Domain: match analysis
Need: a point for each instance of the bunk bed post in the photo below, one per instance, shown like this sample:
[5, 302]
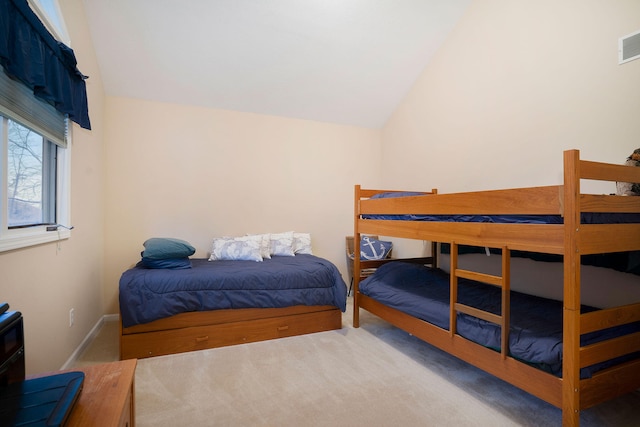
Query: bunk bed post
[453, 288]
[571, 305]
[435, 261]
[356, 258]
[505, 327]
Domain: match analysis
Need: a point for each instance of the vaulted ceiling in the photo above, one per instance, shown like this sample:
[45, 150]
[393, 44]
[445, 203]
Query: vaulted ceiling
[341, 61]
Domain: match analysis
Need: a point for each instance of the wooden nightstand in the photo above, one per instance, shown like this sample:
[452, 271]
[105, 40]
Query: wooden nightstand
[107, 398]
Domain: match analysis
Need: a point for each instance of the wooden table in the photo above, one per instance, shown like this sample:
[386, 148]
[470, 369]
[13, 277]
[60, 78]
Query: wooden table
[107, 398]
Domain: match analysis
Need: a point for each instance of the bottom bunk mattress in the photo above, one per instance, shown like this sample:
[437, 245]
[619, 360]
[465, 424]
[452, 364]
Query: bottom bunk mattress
[536, 323]
[282, 281]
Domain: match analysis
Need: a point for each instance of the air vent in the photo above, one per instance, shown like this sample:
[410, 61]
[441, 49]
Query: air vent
[629, 48]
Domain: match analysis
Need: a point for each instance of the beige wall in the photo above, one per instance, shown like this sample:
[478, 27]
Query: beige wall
[195, 173]
[46, 281]
[515, 84]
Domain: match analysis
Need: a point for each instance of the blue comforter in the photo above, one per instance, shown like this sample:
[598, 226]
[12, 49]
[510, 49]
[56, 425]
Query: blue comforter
[282, 281]
[536, 323]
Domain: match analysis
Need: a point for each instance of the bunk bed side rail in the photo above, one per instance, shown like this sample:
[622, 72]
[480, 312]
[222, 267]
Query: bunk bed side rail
[608, 172]
[609, 203]
[520, 201]
[545, 238]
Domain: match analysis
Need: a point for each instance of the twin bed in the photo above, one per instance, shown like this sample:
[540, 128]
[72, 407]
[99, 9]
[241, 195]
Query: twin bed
[570, 355]
[220, 303]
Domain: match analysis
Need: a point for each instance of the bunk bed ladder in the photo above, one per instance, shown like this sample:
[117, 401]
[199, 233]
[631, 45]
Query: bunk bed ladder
[502, 282]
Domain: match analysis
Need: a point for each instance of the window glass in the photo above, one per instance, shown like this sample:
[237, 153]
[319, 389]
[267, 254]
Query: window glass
[30, 175]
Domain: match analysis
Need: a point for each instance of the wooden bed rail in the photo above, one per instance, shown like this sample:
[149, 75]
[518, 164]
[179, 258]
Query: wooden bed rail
[608, 318]
[606, 171]
[518, 201]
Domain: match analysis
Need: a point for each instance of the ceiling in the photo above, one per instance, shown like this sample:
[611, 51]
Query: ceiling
[341, 61]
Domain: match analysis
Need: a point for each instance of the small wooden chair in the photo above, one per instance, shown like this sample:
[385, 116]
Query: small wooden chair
[369, 267]
[365, 272]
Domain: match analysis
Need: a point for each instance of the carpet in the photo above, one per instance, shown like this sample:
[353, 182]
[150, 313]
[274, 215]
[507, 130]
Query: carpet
[375, 375]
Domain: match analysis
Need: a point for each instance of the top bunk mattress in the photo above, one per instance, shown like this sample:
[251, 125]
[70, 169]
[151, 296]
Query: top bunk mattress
[282, 281]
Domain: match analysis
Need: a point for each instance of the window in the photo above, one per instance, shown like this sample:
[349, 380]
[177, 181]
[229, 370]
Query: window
[34, 190]
[34, 159]
[49, 13]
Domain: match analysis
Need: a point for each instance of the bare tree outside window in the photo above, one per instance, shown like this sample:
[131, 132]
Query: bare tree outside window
[26, 176]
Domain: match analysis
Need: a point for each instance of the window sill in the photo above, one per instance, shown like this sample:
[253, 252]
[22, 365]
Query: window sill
[24, 239]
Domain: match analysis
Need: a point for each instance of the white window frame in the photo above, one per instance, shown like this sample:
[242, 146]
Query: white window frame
[54, 24]
[16, 238]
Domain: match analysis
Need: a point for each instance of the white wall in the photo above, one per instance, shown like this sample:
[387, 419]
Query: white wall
[516, 84]
[195, 173]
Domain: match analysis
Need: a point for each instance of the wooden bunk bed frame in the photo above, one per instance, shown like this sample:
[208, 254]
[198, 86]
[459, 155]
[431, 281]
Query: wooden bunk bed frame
[218, 328]
[571, 239]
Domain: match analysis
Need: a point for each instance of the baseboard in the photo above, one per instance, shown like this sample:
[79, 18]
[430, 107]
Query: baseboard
[71, 361]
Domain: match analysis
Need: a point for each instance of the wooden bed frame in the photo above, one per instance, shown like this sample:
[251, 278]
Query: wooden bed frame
[219, 328]
[571, 239]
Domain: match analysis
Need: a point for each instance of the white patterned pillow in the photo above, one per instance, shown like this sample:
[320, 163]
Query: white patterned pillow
[265, 245]
[245, 248]
[282, 244]
[302, 243]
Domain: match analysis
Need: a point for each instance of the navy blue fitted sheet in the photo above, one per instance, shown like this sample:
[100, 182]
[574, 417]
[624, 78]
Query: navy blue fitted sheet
[536, 323]
[282, 281]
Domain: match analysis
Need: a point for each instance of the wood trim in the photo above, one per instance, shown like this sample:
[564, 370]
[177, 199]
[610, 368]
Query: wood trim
[609, 317]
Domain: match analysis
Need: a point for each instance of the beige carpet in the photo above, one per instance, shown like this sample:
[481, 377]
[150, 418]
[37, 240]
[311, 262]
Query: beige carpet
[376, 375]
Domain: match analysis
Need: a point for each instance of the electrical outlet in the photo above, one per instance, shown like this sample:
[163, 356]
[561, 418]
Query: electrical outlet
[72, 317]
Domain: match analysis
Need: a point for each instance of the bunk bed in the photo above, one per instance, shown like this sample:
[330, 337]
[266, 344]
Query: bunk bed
[227, 302]
[561, 226]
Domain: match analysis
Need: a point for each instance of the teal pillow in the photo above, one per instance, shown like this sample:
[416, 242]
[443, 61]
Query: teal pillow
[166, 248]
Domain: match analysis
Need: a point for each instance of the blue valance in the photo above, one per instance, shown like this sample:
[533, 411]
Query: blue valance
[30, 54]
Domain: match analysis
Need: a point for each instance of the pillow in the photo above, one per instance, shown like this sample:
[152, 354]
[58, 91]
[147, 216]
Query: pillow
[168, 263]
[282, 244]
[302, 243]
[245, 248]
[166, 248]
[265, 245]
[371, 248]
